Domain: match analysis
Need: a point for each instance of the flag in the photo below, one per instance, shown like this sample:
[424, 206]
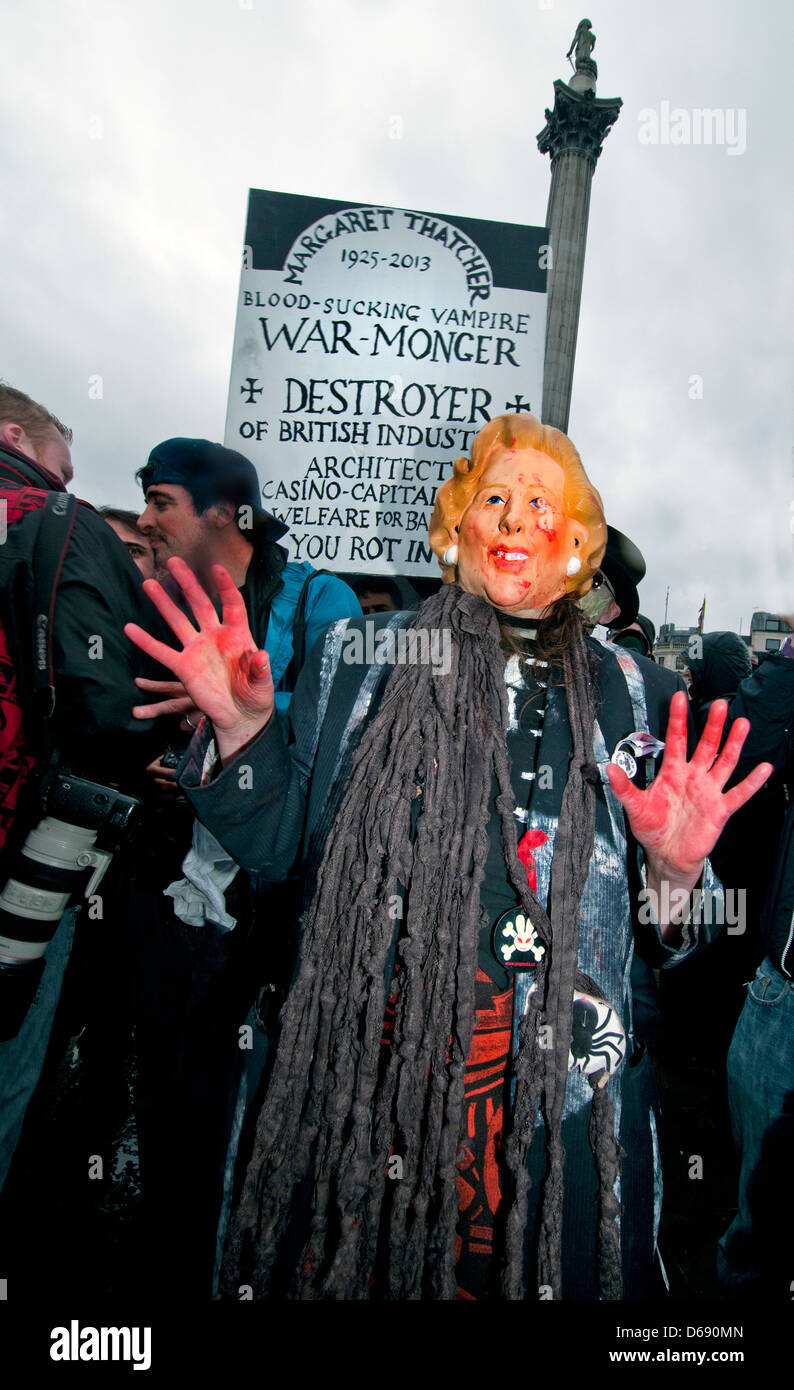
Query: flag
[702, 614]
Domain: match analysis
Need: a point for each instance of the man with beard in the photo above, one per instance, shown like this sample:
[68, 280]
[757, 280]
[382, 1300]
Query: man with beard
[215, 957]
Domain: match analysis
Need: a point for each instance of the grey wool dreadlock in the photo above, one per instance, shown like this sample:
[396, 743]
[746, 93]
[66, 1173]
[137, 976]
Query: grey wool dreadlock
[413, 826]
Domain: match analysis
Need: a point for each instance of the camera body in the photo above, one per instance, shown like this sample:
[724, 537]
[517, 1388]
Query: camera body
[172, 757]
[93, 806]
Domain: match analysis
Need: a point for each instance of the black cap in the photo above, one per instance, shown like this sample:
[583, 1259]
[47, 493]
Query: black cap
[624, 567]
[210, 472]
[639, 636]
[648, 628]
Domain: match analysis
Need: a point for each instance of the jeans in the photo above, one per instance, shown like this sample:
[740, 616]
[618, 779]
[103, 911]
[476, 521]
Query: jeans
[22, 1057]
[756, 1254]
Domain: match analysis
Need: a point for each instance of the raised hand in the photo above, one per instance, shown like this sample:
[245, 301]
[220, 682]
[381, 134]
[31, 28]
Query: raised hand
[680, 817]
[218, 666]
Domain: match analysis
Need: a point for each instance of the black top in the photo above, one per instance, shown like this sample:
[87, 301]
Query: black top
[95, 664]
[527, 681]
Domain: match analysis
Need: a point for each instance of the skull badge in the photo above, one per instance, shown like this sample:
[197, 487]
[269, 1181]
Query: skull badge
[516, 944]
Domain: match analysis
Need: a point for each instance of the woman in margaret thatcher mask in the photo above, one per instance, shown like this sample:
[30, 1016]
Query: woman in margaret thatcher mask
[458, 1108]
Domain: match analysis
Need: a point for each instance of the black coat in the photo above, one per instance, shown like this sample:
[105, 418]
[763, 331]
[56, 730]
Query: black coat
[723, 662]
[759, 841]
[95, 665]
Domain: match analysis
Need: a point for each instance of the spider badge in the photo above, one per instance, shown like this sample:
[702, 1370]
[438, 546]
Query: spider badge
[598, 1041]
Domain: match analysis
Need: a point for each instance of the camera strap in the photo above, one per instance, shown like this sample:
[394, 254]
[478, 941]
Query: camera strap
[55, 533]
[52, 543]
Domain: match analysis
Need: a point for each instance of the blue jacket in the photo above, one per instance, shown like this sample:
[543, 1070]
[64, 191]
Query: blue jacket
[276, 599]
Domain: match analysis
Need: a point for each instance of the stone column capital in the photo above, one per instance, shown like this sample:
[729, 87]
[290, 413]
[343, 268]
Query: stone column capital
[579, 122]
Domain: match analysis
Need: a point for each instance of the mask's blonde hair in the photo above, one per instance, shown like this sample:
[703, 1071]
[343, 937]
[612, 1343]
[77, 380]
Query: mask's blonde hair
[581, 502]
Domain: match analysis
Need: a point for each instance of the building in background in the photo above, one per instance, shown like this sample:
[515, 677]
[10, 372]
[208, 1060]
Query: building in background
[671, 645]
[768, 632]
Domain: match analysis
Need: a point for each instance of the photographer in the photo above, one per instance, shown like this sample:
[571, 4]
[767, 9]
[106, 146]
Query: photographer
[91, 728]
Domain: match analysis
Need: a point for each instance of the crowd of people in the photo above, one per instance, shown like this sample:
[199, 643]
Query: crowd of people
[385, 950]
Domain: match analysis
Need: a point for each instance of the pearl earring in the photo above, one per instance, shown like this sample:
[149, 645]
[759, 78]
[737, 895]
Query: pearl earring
[451, 555]
[574, 566]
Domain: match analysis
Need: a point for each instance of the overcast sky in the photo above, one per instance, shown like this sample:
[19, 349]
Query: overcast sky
[132, 133]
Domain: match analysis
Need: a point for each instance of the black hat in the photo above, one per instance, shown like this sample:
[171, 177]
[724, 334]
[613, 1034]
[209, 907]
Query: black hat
[624, 567]
[210, 472]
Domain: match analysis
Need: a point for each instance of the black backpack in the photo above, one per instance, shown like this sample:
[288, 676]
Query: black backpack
[28, 583]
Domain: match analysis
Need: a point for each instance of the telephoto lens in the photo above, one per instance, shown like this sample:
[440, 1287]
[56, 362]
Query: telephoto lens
[58, 863]
[50, 869]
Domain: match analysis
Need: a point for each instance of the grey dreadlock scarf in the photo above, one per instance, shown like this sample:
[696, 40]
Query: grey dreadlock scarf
[339, 1103]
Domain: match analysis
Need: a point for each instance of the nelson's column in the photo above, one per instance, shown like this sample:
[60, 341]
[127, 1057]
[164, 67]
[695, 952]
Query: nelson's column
[573, 135]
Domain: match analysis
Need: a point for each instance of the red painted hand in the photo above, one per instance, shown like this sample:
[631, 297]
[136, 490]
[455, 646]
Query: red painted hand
[680, 817]
[219, 665]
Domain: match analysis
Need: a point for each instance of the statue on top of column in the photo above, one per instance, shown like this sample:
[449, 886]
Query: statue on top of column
[583, 43]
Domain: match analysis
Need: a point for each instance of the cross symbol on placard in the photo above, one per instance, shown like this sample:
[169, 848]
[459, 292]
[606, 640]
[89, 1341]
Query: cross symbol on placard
[517, 405]
[252, 389]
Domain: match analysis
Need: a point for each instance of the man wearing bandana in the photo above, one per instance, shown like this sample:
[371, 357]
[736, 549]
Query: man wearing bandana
[453, 1111]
